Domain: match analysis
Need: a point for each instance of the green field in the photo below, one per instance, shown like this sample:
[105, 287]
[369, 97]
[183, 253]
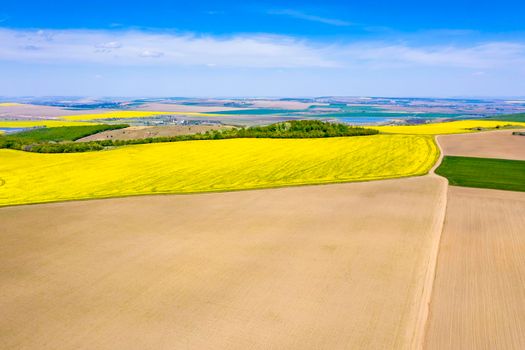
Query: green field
[62, 133]
[519, 117]
[501, 174]
[53, 137]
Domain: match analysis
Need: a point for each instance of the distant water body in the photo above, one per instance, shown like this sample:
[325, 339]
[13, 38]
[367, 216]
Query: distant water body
[11, 130]
[385, 119]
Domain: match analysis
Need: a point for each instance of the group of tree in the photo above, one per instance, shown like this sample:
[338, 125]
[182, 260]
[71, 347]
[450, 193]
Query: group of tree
[289, 129]
[56, 138]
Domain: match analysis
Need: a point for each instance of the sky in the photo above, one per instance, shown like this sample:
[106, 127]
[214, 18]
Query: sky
[264, 48]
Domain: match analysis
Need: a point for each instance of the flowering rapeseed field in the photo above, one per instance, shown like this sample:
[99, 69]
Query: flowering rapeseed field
[203, 166]
[456, 127]
[19, 124]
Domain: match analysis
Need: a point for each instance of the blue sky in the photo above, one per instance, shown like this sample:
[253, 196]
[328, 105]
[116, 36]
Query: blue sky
[264, 48]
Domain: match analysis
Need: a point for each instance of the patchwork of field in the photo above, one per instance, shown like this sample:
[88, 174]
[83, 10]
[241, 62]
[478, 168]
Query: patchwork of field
[219, 105]
[332, 266]
[283, 104]
[494, 144]
[317, 267]
[465, 165]
[223, 116]
[174, 107]
[455, 127]
[122, 115]
[201, 166]
[141, 132]
[479, 296]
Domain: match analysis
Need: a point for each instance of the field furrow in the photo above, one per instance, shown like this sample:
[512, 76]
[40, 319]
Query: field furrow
[478, 300]
[318, 267]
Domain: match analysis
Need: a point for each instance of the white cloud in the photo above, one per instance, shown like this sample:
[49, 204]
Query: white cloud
[109, 45]
[154, 54]
[245, 51]
[73, 46]
[309, 17]
[44, 35]
[30, 47]
[477, 56]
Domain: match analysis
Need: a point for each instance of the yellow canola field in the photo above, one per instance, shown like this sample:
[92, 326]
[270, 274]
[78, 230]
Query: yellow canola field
[201, 166]
[10, 104]
[42, 123]
[456, 127]
[132, 114]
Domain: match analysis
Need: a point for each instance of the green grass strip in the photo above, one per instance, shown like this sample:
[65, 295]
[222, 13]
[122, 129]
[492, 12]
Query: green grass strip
[501, 174]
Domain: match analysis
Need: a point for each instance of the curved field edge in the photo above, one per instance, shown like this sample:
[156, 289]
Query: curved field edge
[210, 166]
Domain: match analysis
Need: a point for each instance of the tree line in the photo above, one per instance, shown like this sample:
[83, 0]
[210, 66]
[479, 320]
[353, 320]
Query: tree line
[290, 129]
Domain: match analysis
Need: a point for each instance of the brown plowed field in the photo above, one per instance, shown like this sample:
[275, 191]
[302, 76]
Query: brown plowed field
[316, 267]
[490, 144]
[142, 132]
[478, 300]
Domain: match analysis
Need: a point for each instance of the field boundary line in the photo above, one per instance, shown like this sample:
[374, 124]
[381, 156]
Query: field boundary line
[423, 312]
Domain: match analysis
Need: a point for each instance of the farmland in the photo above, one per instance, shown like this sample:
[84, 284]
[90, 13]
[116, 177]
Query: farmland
[9, 104]
[262, 175]
[56, 134]
[129, 114]
[346, 265]
[478, 300]
[501, 174]
[455, 127]
[54, 139]
[16, 124]
[201, 166]
[315, 267]
[142, 132]
[516, 117]
[500, 144]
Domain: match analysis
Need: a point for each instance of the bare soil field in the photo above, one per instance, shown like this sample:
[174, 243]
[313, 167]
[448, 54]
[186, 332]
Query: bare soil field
[490, 144]
[142, 132]
[478, 300]
[315, 267]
